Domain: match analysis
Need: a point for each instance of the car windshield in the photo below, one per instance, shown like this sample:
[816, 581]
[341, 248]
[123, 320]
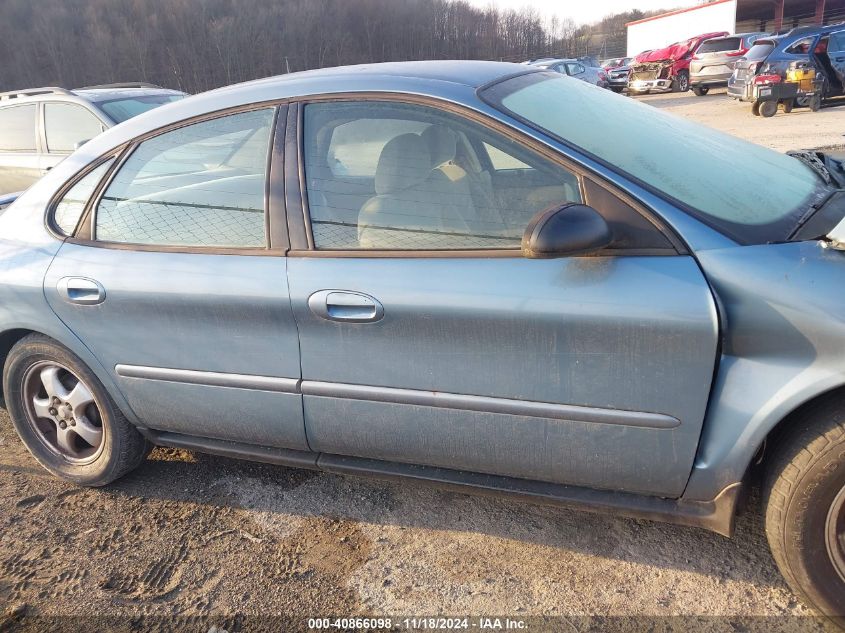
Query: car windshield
[748, 192]
[126, 107]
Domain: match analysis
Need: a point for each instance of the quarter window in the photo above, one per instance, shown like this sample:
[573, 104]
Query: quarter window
[70, 208]
[199, 185]
[66, 125]
[393, 176]
[17, 128]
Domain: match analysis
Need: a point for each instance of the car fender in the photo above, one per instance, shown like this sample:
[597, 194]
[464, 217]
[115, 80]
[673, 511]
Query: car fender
[781, 347]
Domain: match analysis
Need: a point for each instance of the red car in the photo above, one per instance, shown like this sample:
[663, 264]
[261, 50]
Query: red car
[666, 69]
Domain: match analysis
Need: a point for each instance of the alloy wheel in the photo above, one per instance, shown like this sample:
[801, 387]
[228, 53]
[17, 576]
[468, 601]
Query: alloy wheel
[62, 411]
[835, 533]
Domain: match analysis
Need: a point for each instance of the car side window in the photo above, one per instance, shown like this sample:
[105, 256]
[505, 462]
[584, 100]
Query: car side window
[574, 69]
[18, 125]
[801, 47]
[67, 124]
[429, 186]
[837, 42]
[70, 207]
[201, 185]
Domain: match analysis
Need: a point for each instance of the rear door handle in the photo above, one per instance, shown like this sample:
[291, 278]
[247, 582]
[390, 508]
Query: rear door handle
[345, 306]
[81, 290]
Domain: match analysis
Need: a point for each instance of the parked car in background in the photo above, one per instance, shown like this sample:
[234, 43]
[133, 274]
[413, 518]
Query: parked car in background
[615, 62]
[666, 69]
[713, 63]
[617, 69]
[574, 68]
[40, 126]
[807, 53]
[482, 274]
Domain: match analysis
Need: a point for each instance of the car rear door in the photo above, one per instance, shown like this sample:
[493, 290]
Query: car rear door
[426, 338]
[19, 149]
[176, 282]
[66, 126]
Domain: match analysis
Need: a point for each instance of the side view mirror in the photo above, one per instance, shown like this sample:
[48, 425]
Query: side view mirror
[79, 144]
[569, 229]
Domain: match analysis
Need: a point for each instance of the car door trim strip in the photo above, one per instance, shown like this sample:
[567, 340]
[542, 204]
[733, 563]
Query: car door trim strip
[412, 397]
[487, 404]
[210, 378]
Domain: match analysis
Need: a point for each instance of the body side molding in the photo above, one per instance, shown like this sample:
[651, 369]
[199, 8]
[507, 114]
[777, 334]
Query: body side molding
[413, 397]
[210, 378]
[487, 404]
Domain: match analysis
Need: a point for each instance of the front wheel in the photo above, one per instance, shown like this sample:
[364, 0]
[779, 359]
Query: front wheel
[65, 417]
[681, 83]
[805, 509]
[700, 91]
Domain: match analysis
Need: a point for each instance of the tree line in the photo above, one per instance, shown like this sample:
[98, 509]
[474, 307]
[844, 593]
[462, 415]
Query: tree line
[196, 45]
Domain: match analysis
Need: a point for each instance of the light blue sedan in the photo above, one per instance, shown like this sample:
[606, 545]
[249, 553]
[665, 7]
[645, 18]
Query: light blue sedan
[483, 275]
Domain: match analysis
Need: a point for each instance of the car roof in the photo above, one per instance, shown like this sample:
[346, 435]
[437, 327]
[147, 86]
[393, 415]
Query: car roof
[107, 94]
[91, 95]
[812, 29]
[453, 81]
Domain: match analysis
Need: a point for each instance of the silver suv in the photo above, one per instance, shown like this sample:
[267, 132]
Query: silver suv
[714, 61]
[40, 126]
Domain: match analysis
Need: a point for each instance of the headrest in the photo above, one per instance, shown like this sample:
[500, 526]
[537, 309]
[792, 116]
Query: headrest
[404, 162]
[442, 144]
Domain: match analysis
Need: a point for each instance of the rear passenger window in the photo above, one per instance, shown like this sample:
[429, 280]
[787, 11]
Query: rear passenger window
[66, 125]
[17, 128]
[200, 185]
[70, 208]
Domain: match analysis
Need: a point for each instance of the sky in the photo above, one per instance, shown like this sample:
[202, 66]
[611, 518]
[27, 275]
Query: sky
[583, 11]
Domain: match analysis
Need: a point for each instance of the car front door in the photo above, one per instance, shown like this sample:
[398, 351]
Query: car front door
[836, 54]
[20, 164]
[426, 338]
[175, 285]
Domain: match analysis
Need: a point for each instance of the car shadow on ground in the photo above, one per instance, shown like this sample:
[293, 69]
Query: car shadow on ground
[292, 495]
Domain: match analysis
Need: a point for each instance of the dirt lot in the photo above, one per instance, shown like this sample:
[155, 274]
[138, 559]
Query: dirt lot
[195, 535]
[801, 129]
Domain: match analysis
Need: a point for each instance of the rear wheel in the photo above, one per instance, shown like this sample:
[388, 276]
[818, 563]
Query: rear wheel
[805, 509]
[768, 108]
[65, 417]
[700, 91]
[816, 102]
[788, 104]
[755, 108]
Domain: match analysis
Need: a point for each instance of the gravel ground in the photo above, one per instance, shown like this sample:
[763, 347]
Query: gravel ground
[194, 535]
[801, 129]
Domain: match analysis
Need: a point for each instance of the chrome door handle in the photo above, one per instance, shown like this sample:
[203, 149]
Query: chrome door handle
[346, 306]
[81, 290]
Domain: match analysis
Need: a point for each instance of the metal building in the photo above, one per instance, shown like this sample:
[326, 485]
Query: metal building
[734, 16]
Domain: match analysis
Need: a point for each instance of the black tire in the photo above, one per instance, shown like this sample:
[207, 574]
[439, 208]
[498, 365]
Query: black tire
[700, 91]
[805, 482]
[616, 89]
[788, 104]
[768, 109]
[121, 447]
[755, 108]
[681, 83]
[816, 103]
